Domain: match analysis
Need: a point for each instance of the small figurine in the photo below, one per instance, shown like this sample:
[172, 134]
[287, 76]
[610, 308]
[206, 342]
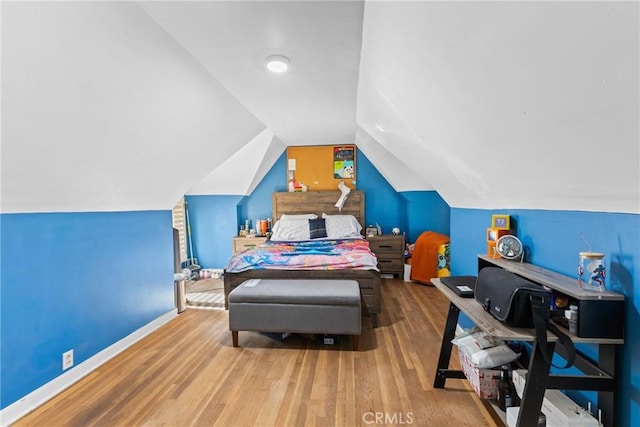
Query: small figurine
[598, 275]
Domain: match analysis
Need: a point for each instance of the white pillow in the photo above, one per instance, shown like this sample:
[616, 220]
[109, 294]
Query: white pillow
[298, 216]
[342, 226]
[290, 230]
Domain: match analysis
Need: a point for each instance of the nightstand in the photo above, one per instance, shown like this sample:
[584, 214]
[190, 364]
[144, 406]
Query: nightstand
[390, 253]
[244, 243]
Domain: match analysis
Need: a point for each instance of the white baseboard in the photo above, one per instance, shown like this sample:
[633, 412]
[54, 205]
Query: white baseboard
[31, 401]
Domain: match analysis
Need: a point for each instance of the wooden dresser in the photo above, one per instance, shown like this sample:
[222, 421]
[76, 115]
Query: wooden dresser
[244, 243]
[390, 253]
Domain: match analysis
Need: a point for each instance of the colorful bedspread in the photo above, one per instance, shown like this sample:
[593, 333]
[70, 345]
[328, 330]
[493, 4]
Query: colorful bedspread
[306, 255]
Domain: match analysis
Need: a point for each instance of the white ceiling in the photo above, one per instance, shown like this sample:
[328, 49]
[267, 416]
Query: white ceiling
[314, 103]
[446, 91]
[122, 105]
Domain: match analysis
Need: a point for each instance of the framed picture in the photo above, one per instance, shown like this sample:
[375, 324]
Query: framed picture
[344, 162]
[500, 222]
[493, 234]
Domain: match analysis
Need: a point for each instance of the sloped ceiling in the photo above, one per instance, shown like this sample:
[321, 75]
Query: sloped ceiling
[118, 105]
[103, 111]
[507, 104]
[231, 178]
[315, 101]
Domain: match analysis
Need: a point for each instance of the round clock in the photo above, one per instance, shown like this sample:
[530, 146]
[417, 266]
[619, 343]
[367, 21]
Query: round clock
[509, 247]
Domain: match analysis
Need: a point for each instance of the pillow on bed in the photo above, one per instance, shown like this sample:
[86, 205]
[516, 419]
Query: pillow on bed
[298, 216]
[342, 226]
[317, 229]
[290, 230]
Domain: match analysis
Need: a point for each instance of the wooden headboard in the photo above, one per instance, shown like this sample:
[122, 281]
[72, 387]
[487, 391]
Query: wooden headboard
[318, 202]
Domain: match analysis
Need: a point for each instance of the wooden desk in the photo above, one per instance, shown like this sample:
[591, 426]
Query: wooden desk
[598, 376]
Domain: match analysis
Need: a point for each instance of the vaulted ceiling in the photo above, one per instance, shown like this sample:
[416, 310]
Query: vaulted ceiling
[128, 105]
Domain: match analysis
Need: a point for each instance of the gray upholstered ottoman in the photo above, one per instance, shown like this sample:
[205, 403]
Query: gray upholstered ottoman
[317, 306]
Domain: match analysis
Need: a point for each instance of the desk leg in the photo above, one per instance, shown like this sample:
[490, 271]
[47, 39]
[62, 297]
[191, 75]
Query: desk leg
[534, 388]
[607, 360]
[445, 348]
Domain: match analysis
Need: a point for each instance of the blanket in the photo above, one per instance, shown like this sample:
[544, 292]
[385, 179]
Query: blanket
[425, 259]
[306, 255]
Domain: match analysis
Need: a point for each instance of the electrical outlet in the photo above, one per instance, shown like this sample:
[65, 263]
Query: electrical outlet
[329, 341]
[67, 359]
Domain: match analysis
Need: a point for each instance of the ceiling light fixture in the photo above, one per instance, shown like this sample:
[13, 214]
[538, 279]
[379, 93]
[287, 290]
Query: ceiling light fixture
[277, 63]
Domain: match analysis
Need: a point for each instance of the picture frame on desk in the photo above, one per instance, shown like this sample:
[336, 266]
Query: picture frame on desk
[493, 234]
[371, 231]
[501, 222]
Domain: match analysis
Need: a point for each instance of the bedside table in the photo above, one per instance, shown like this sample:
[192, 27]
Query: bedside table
[390, 253]
[244, 243]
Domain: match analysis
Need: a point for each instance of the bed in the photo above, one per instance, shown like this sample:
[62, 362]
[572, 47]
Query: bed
[318, 203]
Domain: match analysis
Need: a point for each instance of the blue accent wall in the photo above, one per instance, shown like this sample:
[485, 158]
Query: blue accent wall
[213, 222]
[80, 281]
[383, 205]
[426, 211]
[258, 204]
[553, 240]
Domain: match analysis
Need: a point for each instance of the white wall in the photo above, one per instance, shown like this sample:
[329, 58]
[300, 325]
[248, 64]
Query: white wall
[243, 171]
[103, 111]
[507, 104]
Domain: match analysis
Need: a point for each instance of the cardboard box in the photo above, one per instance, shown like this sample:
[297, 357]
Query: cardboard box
[483, 381]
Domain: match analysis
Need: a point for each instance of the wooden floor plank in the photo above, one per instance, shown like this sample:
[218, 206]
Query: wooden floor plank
[187, 373]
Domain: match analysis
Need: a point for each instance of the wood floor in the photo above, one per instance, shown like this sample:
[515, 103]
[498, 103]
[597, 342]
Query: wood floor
[188, 374]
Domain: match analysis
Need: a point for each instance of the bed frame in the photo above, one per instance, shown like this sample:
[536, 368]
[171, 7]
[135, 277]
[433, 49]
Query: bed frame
[318, 202]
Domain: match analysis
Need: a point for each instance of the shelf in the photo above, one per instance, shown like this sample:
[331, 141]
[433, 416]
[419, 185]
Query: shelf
[600, 313]
[595, 308]
[565, 284]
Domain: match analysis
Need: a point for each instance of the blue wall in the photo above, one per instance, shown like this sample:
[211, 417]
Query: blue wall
[258, 205]
[426, 211]
[215, 220]
[80, 281]
[213, 226]
[383, 205]
[553, 240]
[213, 223]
